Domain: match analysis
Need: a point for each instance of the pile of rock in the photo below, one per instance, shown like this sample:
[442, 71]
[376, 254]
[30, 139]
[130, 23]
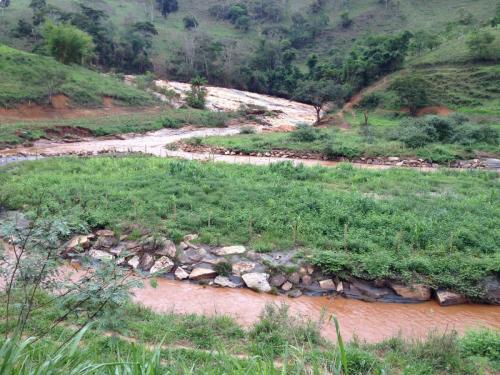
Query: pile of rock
[236, 266]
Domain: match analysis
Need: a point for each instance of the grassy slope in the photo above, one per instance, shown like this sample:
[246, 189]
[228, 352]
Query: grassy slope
[400, 224]
[216, 345]
[27, 131]
[369, 18]
[26, 77]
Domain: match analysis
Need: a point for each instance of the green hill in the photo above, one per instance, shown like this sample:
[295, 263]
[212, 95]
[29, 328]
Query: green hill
[27, 77]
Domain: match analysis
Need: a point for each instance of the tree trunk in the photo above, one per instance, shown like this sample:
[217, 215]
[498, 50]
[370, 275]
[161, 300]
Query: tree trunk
[318, 114]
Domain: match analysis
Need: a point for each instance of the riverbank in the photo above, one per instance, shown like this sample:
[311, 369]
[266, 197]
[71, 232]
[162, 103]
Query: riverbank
[379, 226]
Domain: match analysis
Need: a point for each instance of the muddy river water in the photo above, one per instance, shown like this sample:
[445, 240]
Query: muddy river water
[372, 322]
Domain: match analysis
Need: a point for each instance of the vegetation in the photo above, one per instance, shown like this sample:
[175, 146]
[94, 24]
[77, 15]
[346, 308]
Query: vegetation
[31, 78]
[433, 138]
[68, 44]
[139, 122]
[413, 232]
[197, 95]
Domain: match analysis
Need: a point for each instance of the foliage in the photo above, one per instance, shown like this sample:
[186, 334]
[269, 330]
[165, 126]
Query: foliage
[68, 44]
[345, 19]
[305, 133]
[28, 77]
[190, 22]
[319, 93]
[482, 343]
[412, 92]
[400, 229]
[479, 44]
[197, 96]
[167, 6]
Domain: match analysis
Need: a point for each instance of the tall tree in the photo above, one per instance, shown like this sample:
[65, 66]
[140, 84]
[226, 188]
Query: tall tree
[318, 94]
[167, 6]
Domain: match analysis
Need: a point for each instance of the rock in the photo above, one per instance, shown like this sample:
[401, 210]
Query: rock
[229, 250]
[200, 273]
[287, 286]
[191, 256]
[100, 255]
[162, 265]
[294, 278]
[147, 261]
[242, 267]
[190, 237]
[414, 292]
[181, 274]
[340, 287]
[168, 249]
[183, 245]
[78, 243]
[118, 249]
[393, 158]
[211, 259]
[296, 293]
[105, 242]
[310, 269]
[307, 280]
[447, 298]
[327, 284]
[105, 233]
[491, 287]
[134, 262]
[132, 245]
[257, 281]
[368, 290]
[277, 280]
[227, 282]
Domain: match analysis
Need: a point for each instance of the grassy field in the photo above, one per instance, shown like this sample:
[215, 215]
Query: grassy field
[396, 224]
[278, 343]
[27, 131]
[30, 78]
[355, 142]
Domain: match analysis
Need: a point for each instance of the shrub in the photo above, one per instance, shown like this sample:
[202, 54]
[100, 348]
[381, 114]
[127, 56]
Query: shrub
[247, 130]
[335, 150]
[197, 96]
[171, 123]
[305, 133]
[412, 92]
[484, 343]
[223, 268]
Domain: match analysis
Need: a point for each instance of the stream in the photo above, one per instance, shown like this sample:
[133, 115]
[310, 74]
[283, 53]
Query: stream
[369, 321]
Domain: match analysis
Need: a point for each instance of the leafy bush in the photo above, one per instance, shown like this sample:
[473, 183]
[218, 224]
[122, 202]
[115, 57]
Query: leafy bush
[247, 130]
[305, 133]
[484, 343]
[223, 268]
[335, 150]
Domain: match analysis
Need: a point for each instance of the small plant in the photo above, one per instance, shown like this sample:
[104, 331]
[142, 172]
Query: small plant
[305, 133]
[247, 130]
[345, 20]
[223, 268]
[197, 96]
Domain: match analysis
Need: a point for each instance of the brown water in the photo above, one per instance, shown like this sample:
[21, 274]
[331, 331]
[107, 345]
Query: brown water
[372, 322]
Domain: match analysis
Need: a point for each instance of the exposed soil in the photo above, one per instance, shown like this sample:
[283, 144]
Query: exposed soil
[435, 110]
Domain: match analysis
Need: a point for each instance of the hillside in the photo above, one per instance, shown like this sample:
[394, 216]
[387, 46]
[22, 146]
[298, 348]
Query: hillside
[368, 18]
[28, 77]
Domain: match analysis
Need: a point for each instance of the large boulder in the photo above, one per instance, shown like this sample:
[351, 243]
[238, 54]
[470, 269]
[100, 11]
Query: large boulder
[202, 272]
[370, 291]
[415, 292]
[447, 298]
[491, 287]
[257, 281]
[192, 255]
[147, 261]
[278, 280]
[287, 286]
[162, 265]
[105, 239]
[134, 262]
[294, 278]
[167, 249]
[327, 284]
[229, 250]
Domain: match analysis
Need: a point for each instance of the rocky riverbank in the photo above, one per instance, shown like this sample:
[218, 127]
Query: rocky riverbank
[387, 161]
[285, 273]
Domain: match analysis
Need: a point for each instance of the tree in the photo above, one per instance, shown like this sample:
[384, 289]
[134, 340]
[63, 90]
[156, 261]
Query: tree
[52, 80]
[68, 44]
[369, 103]
[190, 22]
[345, 20]
[4, 4]
[167, 6]
[39, 8]
[411, 91]
[479, 44]
[495, 21]
[196, 97]
[318, 94]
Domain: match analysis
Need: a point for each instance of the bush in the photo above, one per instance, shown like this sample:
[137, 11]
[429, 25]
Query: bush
[454, 129]
[484, 343]
[335, 150]
[223, 268]
[305, 133]
[247, 130]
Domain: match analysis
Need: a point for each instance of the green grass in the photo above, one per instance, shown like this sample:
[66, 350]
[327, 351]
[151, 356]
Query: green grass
[141, 341]
[28, 131]
[29, 78]
[352, 143]
[395, 224]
